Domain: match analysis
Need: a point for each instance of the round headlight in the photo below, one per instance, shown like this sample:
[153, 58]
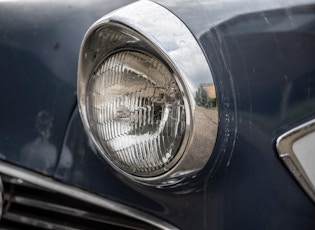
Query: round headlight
[146, 95]
[136, 112]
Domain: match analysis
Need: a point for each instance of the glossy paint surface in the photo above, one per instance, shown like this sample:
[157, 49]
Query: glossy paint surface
[262, 58]
[39, 46]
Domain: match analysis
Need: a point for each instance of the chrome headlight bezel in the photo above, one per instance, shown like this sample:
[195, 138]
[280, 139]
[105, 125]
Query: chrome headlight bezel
[152, 29]
[136, 43]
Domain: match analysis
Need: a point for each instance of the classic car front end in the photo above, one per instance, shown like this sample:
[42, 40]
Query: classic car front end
[157, 114]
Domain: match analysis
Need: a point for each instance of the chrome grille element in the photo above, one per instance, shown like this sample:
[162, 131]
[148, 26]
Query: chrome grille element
[31, 207]
[34, 201]
[61, 200]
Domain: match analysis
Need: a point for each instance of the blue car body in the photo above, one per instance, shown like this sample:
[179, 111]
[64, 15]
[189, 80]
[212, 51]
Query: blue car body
[262, 58]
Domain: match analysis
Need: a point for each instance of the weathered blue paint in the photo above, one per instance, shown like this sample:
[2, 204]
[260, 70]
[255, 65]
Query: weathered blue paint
[262, 56]
[39, 47]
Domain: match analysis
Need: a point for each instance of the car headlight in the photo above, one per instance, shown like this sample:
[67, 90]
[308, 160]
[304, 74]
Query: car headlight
[138, 81]
[136, 112]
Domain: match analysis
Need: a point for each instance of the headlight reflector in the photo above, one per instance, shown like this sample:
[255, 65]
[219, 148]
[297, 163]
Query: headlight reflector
[136, 112]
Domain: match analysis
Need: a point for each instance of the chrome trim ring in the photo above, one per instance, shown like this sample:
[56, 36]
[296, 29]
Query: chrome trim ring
[285, 146]
[157, 31]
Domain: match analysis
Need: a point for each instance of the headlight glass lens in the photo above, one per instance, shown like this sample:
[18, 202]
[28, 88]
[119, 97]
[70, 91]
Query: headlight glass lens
[136, 112]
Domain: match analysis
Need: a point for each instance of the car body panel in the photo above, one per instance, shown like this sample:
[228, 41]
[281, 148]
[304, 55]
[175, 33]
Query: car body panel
[262, 57]
[39, 47]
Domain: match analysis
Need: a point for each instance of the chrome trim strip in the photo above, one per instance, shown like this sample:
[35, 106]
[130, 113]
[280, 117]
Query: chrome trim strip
[155, 28]
[284, 146]
[35, 222]
[65, 210]
[49, 183]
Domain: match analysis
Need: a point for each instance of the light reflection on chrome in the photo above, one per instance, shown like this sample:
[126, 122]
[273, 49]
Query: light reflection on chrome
[296, 149]
[153, 29]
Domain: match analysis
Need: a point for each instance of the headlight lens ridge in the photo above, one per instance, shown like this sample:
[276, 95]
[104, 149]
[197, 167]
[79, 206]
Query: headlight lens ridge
[136, 111]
